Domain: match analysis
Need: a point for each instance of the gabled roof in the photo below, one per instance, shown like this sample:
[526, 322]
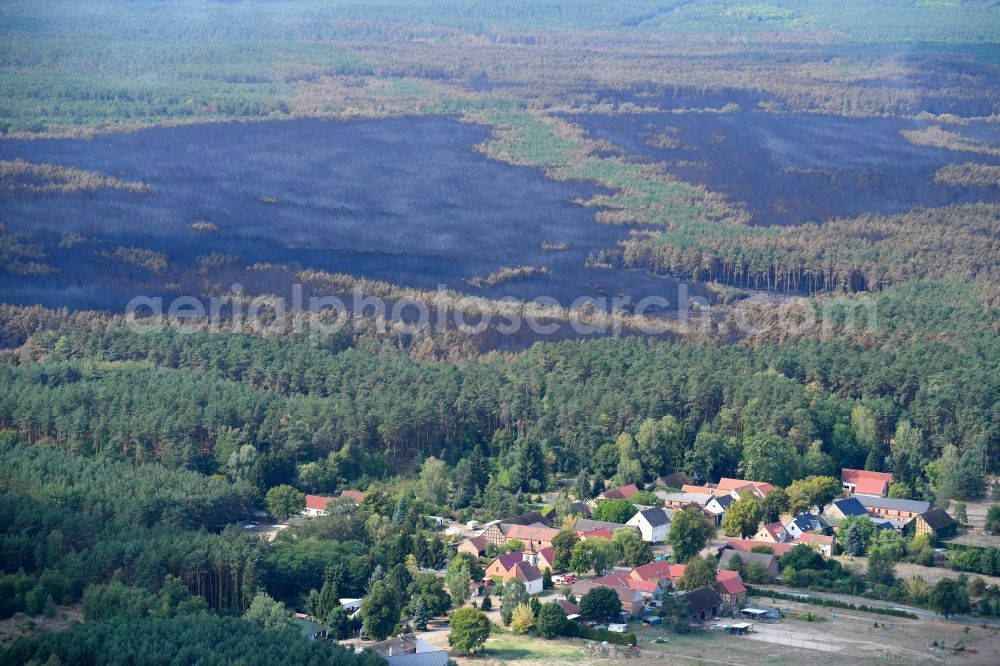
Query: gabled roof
[655, 571]
[866, 486]
[434, 658]
[508, 560]
[317, 502]
[599, 533]
[404, 644]
[703, 490]
[357, 496]
[547, 554]
[808, 522]
[622, 579]
[774, 529]
[872, 501]
[848, 475]
[588, 525]
[938, 519]
[701, 499]
[568, 606]
[702, 599]
[525, 571]
[747, 557]
[530, 518]
[538, 532]
[747, 546]
[675, 480]
[656, 517]
[824, 539]
[850, 507]
[759, 488]
[622, 492]
[730, 581]
[478, 542]
[725, 500]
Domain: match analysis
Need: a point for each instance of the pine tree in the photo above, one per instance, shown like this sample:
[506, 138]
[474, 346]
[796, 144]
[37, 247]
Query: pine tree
[581, 488]
[420, 615]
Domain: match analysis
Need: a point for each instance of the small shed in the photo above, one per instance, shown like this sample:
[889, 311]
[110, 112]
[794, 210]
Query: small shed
[751, 613]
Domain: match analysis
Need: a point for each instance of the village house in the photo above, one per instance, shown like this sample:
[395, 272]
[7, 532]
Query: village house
[747, 546]
[310, 630]
[355, 496]
[475, 546]
[501, 566]
[316, 505]
[534, 536]
[731, 588]
[631, 599]
[653, 524]
[657, 571]
[584, 525]
[766, 560]
[528, 574]
[648, 588]
[599, 533]
[716, 508]
[705, 603]
[684, 500]
[665, 576]
[806, 522]
[897, 511]
[738, 487]
[572, 610]
[409, 650]
[824, 543]
[865, 482]
[622, 492]
[704, 490]
[772, 533]
[675, 480]
[842, 508]
[936, 522]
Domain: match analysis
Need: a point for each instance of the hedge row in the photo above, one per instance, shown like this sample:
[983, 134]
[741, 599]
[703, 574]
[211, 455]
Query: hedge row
[830, 603]
[576, 630]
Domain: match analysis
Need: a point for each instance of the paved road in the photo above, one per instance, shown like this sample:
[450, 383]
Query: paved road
[922, 613]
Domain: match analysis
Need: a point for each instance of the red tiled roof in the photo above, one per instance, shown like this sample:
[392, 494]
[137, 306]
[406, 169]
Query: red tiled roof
[599, 533]
[317, 502]
[730, 581]
[747, 545]
[622, 579]
[809, 537]
[848, 475]
[655, 571]
[478, 542]
[623, 492]
[774, 529]
[865, 486]
[356, 495]
[758, 488]
[703, 490]
[529, 532]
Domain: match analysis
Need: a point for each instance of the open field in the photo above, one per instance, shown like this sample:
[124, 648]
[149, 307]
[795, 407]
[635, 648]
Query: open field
[837, 637]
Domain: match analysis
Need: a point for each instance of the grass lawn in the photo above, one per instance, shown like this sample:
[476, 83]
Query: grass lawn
[526, 648]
